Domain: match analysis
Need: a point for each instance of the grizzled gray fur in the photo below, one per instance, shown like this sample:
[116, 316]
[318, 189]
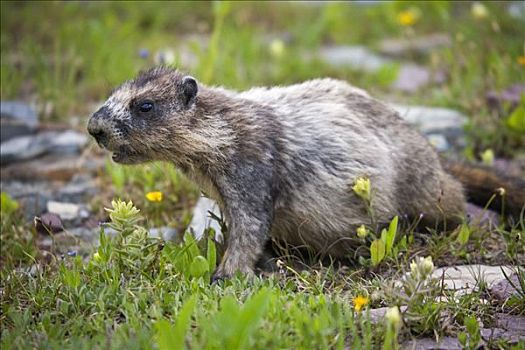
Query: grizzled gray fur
[280, 161]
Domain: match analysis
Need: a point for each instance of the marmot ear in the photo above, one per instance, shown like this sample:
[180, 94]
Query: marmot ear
[189, 89]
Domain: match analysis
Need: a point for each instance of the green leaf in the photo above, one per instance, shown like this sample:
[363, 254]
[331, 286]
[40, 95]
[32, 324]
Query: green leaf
[516, 121]
[250, 317]
[391, 235]
[464, 234]
[172, 337]
[403, 243]
[377, 251]
[199, 266]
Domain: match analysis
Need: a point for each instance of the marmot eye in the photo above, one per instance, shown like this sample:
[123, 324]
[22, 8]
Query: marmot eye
[146, 106]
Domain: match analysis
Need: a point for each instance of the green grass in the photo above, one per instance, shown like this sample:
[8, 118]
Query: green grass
[141, 292]
[138, 292]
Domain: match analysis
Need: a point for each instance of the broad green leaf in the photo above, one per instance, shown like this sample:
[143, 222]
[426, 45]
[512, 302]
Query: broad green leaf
[377, 251]
[464, 234]
[391, 235]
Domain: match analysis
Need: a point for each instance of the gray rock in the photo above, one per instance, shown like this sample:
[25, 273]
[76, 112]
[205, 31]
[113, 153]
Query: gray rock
[166, 233]
[439, 142]
[421, 45]
[412, 77]
[506, 289]
[52, 168]
[444, 343]
[84, 233]
[377, 315]
[28, 147]
[25, 147]
[33, 204]
[481, 217]
[356, 57]
[465, 279]
[67, 211]
[432, 119]
[16, 119]
[77, 192]
[510, 328]
[69, 142]
[201, 219]
[32, 197]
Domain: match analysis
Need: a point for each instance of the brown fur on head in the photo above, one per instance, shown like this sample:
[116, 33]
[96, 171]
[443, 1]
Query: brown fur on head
[142, 118]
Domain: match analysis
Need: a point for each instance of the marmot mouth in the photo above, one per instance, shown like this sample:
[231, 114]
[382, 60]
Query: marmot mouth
[127, 156]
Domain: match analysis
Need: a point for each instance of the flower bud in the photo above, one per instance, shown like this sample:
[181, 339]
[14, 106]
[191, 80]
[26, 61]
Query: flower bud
[362, 232]
[393, 317]
[362, 188]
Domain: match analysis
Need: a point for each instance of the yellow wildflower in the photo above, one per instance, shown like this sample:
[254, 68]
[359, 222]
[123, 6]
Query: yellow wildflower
[359, 302]
[362, 188]
[155, 196]
[407, 18]
[362, 232]
[521, 60]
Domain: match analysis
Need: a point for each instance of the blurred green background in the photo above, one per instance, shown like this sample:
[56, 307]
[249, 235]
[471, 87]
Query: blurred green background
[66, 56]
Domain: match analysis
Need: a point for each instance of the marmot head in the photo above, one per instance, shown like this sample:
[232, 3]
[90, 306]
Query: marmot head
[141, 119]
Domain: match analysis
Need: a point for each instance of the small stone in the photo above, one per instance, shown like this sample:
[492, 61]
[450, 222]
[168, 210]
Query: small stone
[16, 119]
[412, 77]
[377, 315]
[432, 119]
[25, 147]
[69, 142]
[420, 45]
[444, 343]
[504, 290]
[166, 233]
[481, 217]
[356, 57]
[72, 253]
[510, 328]
[202, 220]
[77, 191]
[48, 223]
[66, 211]
[466, 278]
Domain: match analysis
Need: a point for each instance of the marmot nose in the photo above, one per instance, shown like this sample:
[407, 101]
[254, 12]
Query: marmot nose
[96, 127]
